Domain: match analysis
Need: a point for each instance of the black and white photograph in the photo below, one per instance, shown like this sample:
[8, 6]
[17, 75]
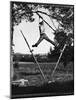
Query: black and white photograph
[41, 49]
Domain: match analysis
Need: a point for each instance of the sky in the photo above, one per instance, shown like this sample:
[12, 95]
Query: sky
[31, 32]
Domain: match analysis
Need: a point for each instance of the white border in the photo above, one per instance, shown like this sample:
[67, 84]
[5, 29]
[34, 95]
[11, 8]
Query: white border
[5, 49]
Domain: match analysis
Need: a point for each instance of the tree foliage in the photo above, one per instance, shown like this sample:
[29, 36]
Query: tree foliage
[62, 13]
[22, 10]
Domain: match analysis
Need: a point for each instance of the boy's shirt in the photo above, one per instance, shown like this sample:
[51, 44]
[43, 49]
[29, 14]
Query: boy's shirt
[41, 29]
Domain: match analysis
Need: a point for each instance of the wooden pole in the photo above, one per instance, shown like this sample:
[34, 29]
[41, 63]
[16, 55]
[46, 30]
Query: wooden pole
[44, 21]
[58, 60]
[33, 55]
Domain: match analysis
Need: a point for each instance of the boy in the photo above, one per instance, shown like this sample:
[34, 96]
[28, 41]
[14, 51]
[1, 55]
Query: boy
[43, 35]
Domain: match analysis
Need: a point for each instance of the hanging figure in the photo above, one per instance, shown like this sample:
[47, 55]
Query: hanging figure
[42, 34]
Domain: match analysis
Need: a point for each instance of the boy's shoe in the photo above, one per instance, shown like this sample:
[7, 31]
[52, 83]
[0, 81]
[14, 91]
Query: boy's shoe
[57, 45]
[31, 50]
[34, 45]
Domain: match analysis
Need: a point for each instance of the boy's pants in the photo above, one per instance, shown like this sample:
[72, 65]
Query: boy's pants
[44, 36]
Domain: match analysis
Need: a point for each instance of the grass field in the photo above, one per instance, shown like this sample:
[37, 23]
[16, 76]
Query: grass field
[62, 82]
[31, 72]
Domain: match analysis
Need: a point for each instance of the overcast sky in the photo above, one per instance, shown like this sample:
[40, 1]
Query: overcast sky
[31, 32]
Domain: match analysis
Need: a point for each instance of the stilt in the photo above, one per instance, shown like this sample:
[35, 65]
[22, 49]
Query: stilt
[58, 61]
[33, 55]
[45, 21]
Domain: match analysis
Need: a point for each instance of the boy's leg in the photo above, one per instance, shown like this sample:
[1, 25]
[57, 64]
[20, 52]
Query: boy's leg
[38, 42]
[46, 38]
